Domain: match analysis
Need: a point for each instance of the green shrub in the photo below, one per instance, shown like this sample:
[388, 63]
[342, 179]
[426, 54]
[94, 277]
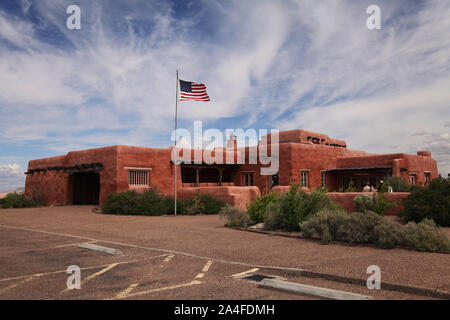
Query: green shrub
[363, 203]
[431, 202]
[338, 225]
[388, 234]
[288, 209]
[297, 206]
[359, 227]
[398, 184]
[378, 204]
[425, 236]
[151, 202]
[257, 208]
[326, 224]
[210, 204]
[272, 216]
[234, 216]
[122, 203]
[16, 200]
[167, 206]
[382, 203]
[372, 228]
[195, 206]
[202, 204]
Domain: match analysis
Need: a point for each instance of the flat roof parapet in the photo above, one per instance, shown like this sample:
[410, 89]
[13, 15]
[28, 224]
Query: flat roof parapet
[307, 137]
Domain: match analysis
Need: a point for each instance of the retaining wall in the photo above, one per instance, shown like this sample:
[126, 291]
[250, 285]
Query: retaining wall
[346, 199]
[236, 196]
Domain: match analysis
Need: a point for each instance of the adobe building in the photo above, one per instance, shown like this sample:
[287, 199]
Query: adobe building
[312, 159]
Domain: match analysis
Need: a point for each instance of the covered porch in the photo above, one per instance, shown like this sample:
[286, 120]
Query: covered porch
[341, 179]
[204, 175]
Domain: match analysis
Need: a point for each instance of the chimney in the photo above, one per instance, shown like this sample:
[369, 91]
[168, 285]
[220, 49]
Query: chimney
[424, 153]
[232, 143]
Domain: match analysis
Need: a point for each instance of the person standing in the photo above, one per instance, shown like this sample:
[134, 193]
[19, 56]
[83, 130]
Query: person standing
[380, 186]
[366, 188]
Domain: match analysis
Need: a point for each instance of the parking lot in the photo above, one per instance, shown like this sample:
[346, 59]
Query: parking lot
[34, 264]
[183, 257]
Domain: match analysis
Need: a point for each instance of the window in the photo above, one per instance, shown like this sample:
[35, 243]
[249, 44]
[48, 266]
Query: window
[274, 180]
[412, 179]
[427, 178]
[248, 179]
[304, 178]
[188, 175]
[324, 179]
[138, 177]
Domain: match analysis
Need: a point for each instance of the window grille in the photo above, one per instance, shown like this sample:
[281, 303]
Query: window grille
[248, 179]
[138, 177]
[324, 178]
[304, 178]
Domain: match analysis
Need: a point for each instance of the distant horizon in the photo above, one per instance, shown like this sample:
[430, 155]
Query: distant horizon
[18, 189]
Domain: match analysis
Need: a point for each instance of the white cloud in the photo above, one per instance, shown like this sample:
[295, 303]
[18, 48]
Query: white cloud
[387, 124]
[11, 177]
[26, 4]
[292, 64]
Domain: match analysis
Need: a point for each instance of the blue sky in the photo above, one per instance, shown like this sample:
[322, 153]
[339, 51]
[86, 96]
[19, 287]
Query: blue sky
[267, 64]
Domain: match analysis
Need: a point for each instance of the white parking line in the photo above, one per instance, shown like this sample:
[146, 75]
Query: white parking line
[59, 271]
[92, 276]
[237, 275]
[14, 285]
[204, 270]
[127, 292]
[187, 254]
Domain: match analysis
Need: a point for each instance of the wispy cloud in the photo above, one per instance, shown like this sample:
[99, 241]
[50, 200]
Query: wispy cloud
[11, 175]
[290, 64]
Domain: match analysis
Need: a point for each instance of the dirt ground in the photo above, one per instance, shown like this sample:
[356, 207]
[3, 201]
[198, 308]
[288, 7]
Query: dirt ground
[183, 257]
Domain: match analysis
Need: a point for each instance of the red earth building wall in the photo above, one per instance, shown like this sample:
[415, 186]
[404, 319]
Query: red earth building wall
[298, 150]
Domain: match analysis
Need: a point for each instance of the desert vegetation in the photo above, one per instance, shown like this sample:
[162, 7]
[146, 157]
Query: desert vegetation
[153, 203]
[316, 216]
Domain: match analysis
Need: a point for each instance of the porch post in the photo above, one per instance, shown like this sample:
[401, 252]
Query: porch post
[220, 176]
[197, 177]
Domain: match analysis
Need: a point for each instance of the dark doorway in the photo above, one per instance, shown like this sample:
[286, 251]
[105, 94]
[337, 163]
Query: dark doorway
[86, 187]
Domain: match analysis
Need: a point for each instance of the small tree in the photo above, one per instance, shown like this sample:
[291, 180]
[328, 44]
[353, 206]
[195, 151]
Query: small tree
[363, 203]
[432, 202]
[382, 203]
[256, 209]
[398, 184]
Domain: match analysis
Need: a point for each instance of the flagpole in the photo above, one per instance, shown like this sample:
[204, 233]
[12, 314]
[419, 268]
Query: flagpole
[176, 152]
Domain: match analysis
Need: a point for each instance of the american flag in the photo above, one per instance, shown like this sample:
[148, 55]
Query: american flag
[193, 91]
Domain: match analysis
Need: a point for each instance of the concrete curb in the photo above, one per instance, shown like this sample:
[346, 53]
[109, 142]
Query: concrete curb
[415, 290]
[102, 249]
[303, 289]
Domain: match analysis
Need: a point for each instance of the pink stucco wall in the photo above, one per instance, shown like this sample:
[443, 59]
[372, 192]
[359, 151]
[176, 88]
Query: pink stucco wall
[346, 199]
[236, 196]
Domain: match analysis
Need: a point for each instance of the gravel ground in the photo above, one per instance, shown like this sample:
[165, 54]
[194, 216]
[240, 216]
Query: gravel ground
[194, 240]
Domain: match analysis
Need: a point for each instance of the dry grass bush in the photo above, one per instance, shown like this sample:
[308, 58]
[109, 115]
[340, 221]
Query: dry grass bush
[371, 228]
[234, 216]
